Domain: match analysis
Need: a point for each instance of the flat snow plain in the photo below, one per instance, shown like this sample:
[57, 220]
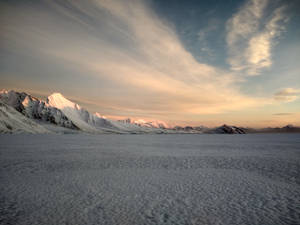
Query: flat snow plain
[150, 179]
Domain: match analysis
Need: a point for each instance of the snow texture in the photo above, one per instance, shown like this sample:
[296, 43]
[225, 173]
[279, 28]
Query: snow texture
[80, 117]
[150, 179]
[62, 112]
[35, 109]
[11, 121]
[95, 123]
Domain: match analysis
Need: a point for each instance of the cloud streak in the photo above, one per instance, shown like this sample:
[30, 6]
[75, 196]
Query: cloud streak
[283, 114]
[251, 34]
[127, 44]
[129, 61]
[287, 95]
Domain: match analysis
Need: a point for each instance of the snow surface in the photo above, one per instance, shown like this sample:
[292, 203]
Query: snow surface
[79, 116]
[35, 109]
[11, 121]
[150, 179]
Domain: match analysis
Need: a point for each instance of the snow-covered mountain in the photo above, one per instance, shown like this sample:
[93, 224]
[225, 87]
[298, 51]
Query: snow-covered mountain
[86, 121]
[79, 116]
[62, 112]
[34, 108]
[128, 124]
[146, 123]
[21, 112]
[152, 124]
[12, 121]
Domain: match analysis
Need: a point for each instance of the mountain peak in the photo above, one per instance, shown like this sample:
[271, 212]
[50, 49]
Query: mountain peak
[152, 123]
[57, 95]
[3, 91]
[59, 101]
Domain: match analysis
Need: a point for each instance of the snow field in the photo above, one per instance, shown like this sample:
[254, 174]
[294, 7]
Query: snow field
[150, 179]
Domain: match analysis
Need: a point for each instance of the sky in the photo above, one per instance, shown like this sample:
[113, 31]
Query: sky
[183, 62]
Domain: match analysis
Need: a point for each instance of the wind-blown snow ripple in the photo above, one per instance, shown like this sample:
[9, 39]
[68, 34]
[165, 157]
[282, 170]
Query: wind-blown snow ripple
[150, 179]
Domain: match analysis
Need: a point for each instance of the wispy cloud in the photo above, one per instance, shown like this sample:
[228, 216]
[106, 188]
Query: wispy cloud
[137, 63]
[287, 95]
[137, 56]
[251, 34]
[283, 114]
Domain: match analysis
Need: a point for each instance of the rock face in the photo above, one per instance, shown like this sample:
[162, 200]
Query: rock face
[128, 121]
[82, 118]
[34, 108]
[64, 113]
[225, 129]
[12, 121]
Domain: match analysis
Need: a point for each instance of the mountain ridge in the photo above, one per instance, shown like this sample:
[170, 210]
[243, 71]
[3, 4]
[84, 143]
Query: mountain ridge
[61, 112]
[33, 108]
